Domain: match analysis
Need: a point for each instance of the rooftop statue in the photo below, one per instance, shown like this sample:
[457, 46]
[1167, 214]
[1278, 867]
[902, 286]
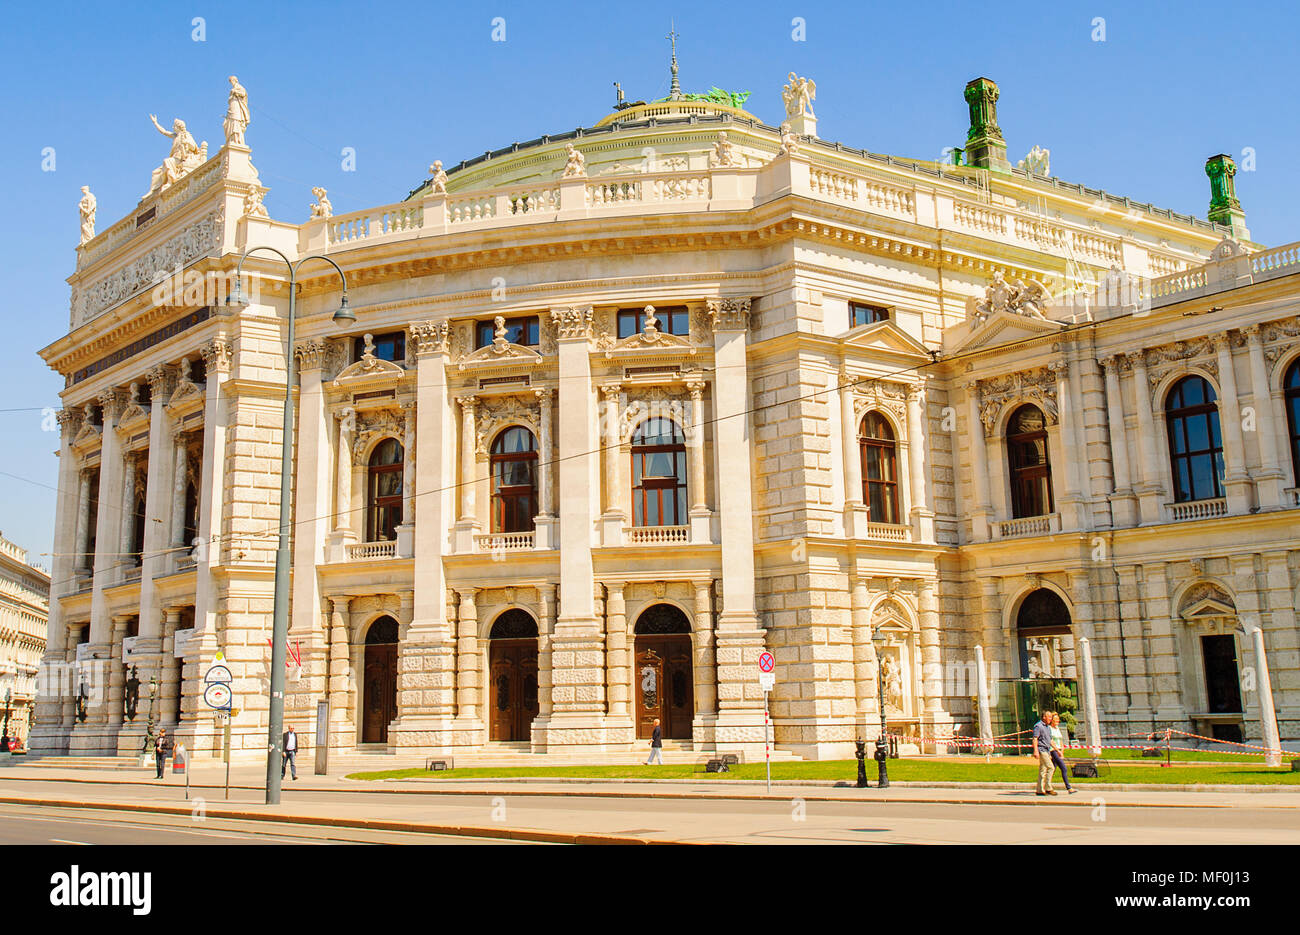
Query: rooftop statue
[439, 184]
[1037, 162]
[723, 154]
[1014, 296]
[185, 155]
[716, 95]
[798, 94]
[237, 114]
[87, 205]
[253, 207]
[575, 167]
[322, 208]
[789, 142]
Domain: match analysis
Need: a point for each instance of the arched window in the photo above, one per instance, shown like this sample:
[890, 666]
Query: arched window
[384, 491]
[1291, 389]
[879, 453]
[1031, 472]
[514, 481]
[658, 474]
[1195, 444]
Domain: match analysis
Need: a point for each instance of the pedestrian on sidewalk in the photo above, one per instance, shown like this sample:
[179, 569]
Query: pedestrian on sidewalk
[1043, 754]
[1058, 752]
[656, 745]
[290, 748]
[160, 751]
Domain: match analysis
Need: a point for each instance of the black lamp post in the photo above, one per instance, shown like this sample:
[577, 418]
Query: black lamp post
[149, 725]
[280, 615]
[882, 742]
[4, 741]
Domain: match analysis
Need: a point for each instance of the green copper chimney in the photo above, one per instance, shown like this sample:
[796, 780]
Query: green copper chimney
[985, 146]
[1224, 207]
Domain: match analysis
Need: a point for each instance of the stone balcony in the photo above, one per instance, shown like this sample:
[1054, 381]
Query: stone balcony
[1044, 525]
[371, 551]
[1196, 509]
[656, 535]
[497, 542]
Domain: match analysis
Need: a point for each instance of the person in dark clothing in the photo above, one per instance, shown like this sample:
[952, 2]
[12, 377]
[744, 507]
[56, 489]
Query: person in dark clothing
[290, 747]
[160, 751]
[656, 745]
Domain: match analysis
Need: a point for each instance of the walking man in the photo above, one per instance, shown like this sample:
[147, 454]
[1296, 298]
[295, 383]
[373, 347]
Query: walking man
[656, 745]
[290, 747]
[160, 751]
[1043, 754]
[1058, 752]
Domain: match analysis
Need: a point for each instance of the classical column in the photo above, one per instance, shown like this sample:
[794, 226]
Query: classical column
[546, 456]
[179, 469]
[701, 517]
[406, 531]
[918, 465]
[83, 561]
[467, 658]
[126, 510]
[468, 525]
[1269, 482]
[169, 675]
[855, 510]
[339, 661]
[706, 657]
[155, 559]
[931, 661]
[1001, 655]
[112, 715]
[1152, 490]
[68, 685]
[740, 640]
[545, 631]
[614, 518]
[1072, 515]
[864, 658]
[1236, 479]
[343, 528]
[216, 359]
[108, 519]
[617, 664]
[979, 464]
[1122, 500]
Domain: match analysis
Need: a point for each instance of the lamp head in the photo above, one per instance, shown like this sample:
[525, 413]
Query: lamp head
[344, 315]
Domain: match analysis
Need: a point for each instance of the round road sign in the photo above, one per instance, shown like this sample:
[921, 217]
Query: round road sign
[766, 662]
[217, 695]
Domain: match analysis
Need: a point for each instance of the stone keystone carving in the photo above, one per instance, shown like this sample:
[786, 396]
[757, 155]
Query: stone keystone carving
[322, 208]
[185, 155]
[729, 314]
[798, 95]
[1014, 296]
[87, 206]
[572, 323]
[237, 114]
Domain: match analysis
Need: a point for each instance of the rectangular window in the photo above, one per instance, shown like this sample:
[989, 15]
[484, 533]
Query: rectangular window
[673, 320]
[862, 314]
[523, 331]
[390, 346]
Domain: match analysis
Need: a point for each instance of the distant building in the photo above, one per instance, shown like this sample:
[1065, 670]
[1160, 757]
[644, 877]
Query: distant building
[624, 407]
[24, 617]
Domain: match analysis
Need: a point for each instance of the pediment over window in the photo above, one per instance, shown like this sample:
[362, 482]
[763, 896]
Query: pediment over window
[186, 397]
[88, 436]
[370, 370]
[1001, 328]
[500, 352]
[1206, 605]
[641, 343]
[887, 337]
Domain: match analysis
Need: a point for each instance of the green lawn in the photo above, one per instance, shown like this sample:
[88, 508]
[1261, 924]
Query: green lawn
[915, 770]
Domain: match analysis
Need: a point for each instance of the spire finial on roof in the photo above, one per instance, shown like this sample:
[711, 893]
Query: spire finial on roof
[675, 89]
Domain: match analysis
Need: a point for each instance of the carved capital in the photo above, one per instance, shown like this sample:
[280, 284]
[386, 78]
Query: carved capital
[111, 402]
[1137, 359]
[468, 404]
[217, 354]
[1220, 341]
[430, 337]
[162, 380]
[611, 390]
[1059, 368]
[696, 389]
[730, 314]
[310, 355]
[1254, 333]
[572, 323]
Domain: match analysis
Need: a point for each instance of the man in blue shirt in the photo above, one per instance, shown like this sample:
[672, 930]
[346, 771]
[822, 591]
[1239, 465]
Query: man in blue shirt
[1043, 753]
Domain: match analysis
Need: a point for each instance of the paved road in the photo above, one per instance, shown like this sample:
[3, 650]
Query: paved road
[27, 824]
[875, 817]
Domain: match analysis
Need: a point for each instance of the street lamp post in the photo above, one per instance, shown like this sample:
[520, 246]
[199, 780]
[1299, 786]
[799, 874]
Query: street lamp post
[882, 742]
[280, 616]
[4, 741]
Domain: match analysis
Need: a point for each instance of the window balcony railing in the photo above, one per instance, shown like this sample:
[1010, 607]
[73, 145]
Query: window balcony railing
[1196, 509]
[505, 541]
[368, 551]
[1043, 525]
[889, 532]
[657, 535]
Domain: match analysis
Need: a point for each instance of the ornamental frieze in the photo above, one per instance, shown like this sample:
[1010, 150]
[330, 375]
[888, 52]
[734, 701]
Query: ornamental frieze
[1164, 360]
[201, 238]
[876, 394]
[494, 414]
[651, 402]
[1037, 386]
[372, 425]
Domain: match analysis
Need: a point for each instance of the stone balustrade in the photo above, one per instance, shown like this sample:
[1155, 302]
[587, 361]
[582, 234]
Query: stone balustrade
[889, 532]
[656, 535]
[1196, 509]
[1043, 525]
[369, 551]
[505, 541]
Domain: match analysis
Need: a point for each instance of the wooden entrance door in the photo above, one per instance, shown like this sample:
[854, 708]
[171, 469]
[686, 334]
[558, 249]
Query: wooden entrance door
[379, 699]
[512, 696]
[664, 684]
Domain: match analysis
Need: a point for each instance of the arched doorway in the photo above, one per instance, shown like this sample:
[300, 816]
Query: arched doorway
[1041, 622]
[512, 676]
[664, 679]
[379, 681]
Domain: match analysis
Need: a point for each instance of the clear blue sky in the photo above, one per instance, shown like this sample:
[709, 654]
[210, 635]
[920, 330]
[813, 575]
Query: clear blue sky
[405, 83]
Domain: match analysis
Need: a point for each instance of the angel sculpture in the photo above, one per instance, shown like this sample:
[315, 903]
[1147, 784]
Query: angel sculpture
[322, 208]
[575, 165]
[798, 94]
[439, 184]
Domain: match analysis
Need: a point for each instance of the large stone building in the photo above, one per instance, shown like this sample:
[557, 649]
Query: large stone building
[623, 407]
[24, 616]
